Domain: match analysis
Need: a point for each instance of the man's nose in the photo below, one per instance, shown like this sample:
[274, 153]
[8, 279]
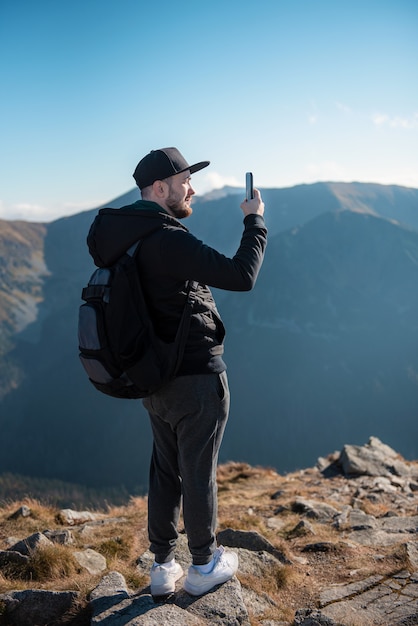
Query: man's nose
[191, 191]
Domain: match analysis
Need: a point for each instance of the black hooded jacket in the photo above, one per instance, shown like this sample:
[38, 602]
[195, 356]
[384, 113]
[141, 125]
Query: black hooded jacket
[169, 257]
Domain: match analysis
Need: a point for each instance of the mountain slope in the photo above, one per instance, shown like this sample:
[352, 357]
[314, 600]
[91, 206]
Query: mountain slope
[323, 350]
[22, 271]
[327, 341]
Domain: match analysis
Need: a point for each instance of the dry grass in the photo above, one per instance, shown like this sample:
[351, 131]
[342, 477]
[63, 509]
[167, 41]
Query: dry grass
[52, 563]
[251, 499]
[54, 567]
[276, 581]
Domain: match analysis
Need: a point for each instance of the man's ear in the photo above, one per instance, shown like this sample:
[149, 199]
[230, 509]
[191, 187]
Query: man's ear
[160, 189]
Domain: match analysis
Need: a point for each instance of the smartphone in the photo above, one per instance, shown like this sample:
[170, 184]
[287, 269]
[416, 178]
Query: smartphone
[249, 189]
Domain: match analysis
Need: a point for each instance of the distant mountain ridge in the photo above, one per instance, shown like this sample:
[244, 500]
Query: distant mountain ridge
[324, 350]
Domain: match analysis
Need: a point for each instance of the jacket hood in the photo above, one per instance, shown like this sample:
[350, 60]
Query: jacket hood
[114, 231]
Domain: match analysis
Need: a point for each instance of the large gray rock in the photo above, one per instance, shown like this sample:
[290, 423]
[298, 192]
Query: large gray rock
[112, 590]
[11, 558]
[250, 540]
[112, 605]
[223, 606]
[43, 608]
[319, 511]
[359, 520]
[112, 585]
[313, 617]
[73, 518]
[378, 600]
[62, 537]
[373, 459]
[22, 511]
[26, 546]
[370, 531]
[411, 550]
[91, 560]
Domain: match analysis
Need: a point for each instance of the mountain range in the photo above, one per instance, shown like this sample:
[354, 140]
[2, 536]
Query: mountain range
[323, 350]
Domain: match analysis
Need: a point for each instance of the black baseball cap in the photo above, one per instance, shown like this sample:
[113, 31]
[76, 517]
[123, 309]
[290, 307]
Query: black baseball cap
[162, 163]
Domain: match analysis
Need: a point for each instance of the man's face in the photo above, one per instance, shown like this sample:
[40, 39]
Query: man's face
[179, 195]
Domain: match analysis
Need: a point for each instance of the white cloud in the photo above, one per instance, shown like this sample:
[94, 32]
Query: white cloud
[326, 171]
[75, 207]
[343, 107]
[388, 174]
[379, 119]
[408, 123]
[203, 182]
[42, 213]
[313, 115]
[23, 211]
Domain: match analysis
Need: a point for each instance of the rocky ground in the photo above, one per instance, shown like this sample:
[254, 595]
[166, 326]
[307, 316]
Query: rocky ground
[332, 545]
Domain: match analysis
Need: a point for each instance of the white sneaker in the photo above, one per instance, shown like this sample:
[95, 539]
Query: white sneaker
[225, 564]
[164, 578]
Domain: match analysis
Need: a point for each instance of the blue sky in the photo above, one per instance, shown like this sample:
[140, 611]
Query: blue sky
[297, 91]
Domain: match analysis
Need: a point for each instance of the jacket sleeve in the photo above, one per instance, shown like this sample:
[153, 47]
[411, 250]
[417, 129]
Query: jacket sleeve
[188, 258]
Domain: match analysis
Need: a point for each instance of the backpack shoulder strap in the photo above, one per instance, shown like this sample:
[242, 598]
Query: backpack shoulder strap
[133, 250]
[184, 325]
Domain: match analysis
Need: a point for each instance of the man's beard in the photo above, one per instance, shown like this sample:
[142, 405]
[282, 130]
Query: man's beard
[179, 208]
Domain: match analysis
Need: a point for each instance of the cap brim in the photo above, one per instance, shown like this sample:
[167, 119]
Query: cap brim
[198, 166]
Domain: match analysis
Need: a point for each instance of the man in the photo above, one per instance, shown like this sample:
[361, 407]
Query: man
[188, 416]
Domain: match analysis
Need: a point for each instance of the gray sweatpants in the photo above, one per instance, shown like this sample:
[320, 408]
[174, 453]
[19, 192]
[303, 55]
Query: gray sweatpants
[188, 419]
